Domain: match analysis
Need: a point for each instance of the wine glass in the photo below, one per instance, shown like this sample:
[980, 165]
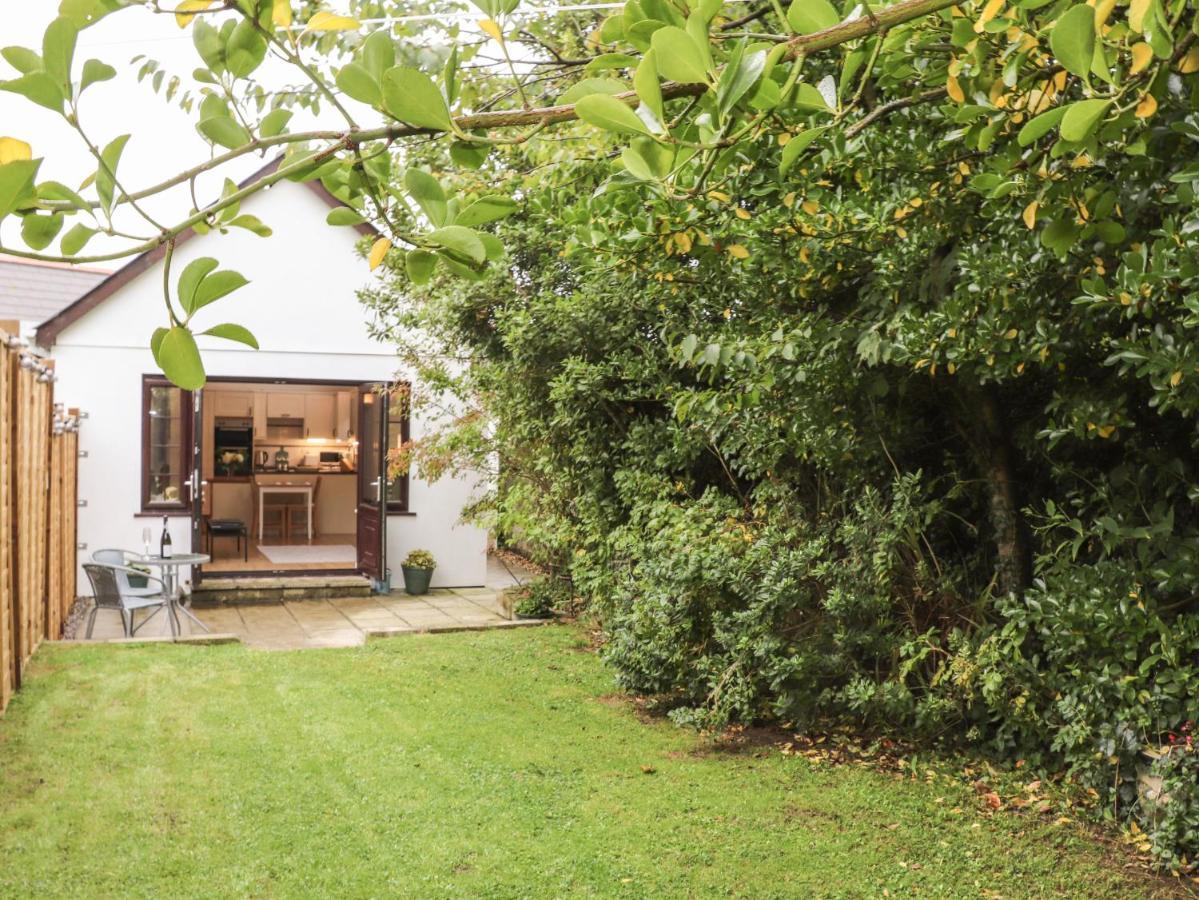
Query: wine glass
[147, 534]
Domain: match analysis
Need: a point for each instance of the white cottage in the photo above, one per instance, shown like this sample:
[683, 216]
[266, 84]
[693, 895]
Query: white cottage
[285, 443]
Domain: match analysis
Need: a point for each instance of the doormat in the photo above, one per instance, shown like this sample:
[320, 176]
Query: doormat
[311, 553]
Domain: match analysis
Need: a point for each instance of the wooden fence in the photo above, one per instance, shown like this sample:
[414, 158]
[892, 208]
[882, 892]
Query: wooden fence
[39, 452]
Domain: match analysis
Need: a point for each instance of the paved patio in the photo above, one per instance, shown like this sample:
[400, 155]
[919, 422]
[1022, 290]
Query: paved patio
[342, 622]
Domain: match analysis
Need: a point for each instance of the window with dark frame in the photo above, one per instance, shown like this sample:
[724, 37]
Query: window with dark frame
[166, 446]
[398, 403]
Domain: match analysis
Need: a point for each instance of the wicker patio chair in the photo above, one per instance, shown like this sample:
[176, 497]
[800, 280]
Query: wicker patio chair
[106, 589]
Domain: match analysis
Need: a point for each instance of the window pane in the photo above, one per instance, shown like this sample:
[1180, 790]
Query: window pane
[397, 412]
[164, 462]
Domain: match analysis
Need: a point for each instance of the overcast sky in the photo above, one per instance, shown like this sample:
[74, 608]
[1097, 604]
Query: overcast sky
[164, 140]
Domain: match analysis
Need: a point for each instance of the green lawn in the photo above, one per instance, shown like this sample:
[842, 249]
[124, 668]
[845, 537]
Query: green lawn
[482, 764]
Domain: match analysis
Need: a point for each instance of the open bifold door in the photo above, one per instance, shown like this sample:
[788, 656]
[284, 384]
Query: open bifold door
[372, 478]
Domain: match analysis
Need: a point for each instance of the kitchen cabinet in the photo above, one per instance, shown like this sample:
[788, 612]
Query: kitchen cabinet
[229, 405]
[319, 415]
[344, 428]
[259, 416]
[281, 405]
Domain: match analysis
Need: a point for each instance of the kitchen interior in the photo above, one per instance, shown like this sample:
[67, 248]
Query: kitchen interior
[280, 459]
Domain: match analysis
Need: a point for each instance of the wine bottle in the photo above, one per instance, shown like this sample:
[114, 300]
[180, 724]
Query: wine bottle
[164, 548]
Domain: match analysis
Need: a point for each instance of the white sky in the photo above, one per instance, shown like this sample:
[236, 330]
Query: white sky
[164, 140]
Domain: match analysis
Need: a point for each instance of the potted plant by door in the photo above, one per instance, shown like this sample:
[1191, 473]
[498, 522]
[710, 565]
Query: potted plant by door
[418, 571]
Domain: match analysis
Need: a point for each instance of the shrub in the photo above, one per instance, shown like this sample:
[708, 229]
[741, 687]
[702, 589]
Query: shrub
[420, 559]
[538, 599]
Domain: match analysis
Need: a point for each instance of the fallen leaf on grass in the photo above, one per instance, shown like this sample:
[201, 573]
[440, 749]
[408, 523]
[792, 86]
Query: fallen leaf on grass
[648, 770]
[993, 800]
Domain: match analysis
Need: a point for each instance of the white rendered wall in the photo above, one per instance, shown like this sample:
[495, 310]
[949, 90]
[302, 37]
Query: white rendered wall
[302, 306]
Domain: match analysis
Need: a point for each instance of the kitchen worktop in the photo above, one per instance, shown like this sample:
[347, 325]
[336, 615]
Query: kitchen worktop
[304, 470]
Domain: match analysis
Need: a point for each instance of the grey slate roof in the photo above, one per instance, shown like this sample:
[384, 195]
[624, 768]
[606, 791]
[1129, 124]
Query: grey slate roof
[34, 291]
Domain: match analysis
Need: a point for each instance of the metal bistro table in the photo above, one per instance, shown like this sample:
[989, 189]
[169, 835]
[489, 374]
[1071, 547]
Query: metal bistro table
[170, 566]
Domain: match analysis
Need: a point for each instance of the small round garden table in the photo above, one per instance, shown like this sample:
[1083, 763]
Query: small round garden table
[170, 566]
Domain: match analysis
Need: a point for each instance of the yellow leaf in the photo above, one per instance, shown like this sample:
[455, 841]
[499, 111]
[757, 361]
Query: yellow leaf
[1142, 55]
[1030, 215]
[1105, 431]
[1147, 107]
[741, 213]
[493, 29]
[281, 13]
[738, 251]
[1190, 62]
[956, 94]
[378, 250]
[1010, 334]
[805, 255]
[916, 202]
[811, 207]
[989, 12]
[1136, 14]
[1175, 378]
[784, 138]
[1103, 10]
[327, 21]
[901, 232]
[1125, 298]
[682, 240]
[12, 149]
[721, 196]
[182, 19]
[789, 200]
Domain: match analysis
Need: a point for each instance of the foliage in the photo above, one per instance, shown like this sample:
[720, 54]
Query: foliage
[1172, 822]
[539, 598]
[420, 559]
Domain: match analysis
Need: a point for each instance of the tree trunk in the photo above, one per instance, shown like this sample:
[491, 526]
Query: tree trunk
[1013, 564]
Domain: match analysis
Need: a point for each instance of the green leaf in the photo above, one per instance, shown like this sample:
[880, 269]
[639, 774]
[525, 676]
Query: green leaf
[378, 54]
[216, 286]
[95, 71]
[493, 245]
[343, 216]
[581, 89]
[53, 190]
[1036, 128]
[88, 12]
[649, 90]
[251, 223]
[179, 358]
[796, 146]
[225, 131]
[411, 96]
[1060, 235]
[208, 44]
[356, 81]
[1081, 118]
[636, 165]
[420, 265]
[245, 49]
[469, 156]
[459, 240]
[38, 87]
[611, 61]
[76, 239]
[427, 192]
[231, 332]
[1073, 39]
[22, 59]
[677, 56]
[105, 182]
[737, 79]
[810, 16]
[39, 230]
[189, 281]
[449, 76]
[486, 209]
[809, 98]
[156, 344]
[16, 183]
[274, 122]
[610, 114]
[58, 51]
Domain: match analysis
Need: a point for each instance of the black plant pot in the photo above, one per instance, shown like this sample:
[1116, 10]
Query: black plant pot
[416, 581]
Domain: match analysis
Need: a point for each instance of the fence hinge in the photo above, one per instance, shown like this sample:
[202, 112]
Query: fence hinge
[81, 503]
[83, 454]
[82, 545]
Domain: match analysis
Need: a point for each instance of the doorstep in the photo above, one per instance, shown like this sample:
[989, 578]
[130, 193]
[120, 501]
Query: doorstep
[277, 589]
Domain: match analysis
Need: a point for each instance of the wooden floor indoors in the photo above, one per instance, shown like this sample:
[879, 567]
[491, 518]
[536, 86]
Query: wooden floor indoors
[227, 558]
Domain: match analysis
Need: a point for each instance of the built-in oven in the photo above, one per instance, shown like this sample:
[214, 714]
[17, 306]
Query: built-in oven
[233, 448]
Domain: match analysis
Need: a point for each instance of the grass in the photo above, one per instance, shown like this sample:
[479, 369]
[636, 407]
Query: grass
[483, 764]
